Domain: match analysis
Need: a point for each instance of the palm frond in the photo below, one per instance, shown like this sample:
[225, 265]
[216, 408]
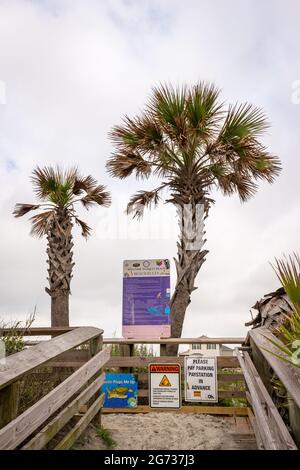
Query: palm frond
[288, 273]
[54, 184]
[142, 199]
[85, 229]
[96, 196]
[123, 165]
[22, 209]
[243, 121]
[41, 223]
[204, 112]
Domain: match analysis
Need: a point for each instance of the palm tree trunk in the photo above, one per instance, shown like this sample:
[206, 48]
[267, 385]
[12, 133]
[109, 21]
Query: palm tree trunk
[60, 267]
[190, 259]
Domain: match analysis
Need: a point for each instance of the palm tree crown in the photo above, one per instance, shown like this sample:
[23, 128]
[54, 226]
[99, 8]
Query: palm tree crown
[195, 143]
[59, 190]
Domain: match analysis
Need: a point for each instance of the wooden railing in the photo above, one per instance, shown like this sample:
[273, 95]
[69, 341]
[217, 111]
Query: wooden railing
[40, 423]
[270, 430]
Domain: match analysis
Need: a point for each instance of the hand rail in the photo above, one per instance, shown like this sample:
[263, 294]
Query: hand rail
[24, 361]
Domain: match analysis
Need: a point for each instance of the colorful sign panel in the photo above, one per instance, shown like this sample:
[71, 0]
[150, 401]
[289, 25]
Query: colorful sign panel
[146, 298]
[201, 379]
[164, 386]
[121, 391]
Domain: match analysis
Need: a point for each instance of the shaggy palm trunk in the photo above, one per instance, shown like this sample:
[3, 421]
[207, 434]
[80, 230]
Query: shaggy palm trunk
[60, 267]
[189, 261]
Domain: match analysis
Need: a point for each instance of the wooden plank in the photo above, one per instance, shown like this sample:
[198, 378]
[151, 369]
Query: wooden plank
[278, 425]
[211, 410]
[24, 425]
[237, 340]
[140, 362]
[24, 361]
[253, 423]
[9, 401]
[269, 440]
[39, 331]
[287, 373]
[76, 406]
[82, 424]
[221, 393]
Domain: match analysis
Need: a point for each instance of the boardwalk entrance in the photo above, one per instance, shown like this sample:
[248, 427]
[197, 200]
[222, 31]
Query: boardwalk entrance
[60, 417]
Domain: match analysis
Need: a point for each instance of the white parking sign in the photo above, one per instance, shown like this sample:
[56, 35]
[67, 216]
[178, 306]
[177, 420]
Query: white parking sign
[201, 379]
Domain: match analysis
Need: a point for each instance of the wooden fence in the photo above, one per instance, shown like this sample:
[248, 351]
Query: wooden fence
[237, 379]
[40, 423]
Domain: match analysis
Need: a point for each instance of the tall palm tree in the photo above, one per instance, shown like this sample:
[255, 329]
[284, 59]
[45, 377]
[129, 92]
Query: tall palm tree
[59, 190]
[194, 143]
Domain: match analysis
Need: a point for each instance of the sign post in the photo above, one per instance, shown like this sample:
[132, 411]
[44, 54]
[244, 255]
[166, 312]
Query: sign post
[146, 298]
[164, 386]
[201, 379]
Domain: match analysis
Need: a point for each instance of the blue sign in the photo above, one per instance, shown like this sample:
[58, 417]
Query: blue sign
[121, 391]
[146, 298]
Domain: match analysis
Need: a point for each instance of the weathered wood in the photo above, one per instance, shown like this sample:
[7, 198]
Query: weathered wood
[212, 410]
[260, 413]
[126, 350]
[39, 331]
[162, 349]
[287, 373]
[24, 425]
[9, 401]
[237, 340]
[24, 361]
[277, 424]
[79, 427]
[76, 406]
[140, 362]
[95, 345]
[253, 423]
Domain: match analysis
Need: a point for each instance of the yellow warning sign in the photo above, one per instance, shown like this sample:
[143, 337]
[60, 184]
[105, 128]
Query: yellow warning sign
[165, 382]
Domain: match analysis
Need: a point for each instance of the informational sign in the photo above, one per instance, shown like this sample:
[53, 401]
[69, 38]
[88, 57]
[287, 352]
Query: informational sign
[201, 379]
[164, 386]
[146, 298]
[121, 391]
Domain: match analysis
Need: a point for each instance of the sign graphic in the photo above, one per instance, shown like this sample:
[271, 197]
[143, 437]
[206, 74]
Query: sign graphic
[146, 298]
[164, 386]
[201, 379]
[121, 391]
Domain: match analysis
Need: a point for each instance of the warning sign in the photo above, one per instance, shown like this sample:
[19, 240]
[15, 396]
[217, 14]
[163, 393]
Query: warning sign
[164, 386]
[201, 379]
[165, 382]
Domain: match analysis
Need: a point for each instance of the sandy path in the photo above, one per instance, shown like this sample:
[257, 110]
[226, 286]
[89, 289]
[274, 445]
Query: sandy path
[162, 431]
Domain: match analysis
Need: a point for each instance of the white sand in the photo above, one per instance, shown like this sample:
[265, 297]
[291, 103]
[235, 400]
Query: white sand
[162, 431]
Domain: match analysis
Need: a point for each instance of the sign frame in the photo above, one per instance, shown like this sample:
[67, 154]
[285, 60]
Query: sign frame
[163, 373]
[114, 381]
[146, 298]
[197, 399]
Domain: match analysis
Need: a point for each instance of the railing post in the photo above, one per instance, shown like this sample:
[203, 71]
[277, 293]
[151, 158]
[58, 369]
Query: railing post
[126, 350]
[9, 401]
[162, 350]
[96, 345]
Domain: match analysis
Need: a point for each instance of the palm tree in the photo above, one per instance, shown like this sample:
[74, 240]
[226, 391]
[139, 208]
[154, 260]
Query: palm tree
[59, 190]
[193, 143]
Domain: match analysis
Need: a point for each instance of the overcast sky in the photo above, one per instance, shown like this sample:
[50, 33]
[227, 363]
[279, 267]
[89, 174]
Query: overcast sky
[69, 71]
